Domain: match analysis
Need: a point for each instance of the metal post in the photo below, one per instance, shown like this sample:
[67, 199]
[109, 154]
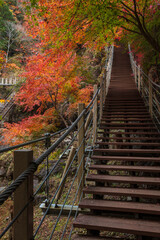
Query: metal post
[150, 98]
[81, 147]
[95, 116]
[101, 98]
[23, 227]
[139, 78]
[47, 145]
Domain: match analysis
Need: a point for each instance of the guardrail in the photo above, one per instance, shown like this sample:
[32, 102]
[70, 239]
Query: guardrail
[148, 89]
[9, 81]
[83, 132]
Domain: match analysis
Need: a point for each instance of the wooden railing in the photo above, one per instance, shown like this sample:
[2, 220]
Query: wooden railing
[148, 89]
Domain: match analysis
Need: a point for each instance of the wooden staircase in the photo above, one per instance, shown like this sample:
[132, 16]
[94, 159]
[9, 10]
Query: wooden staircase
[123, 186]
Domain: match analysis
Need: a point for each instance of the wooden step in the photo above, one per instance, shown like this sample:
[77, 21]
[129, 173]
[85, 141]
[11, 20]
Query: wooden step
[125, 117]
[126, 151]
[130, 138]
[129, 144]
[126, 124]
[128, 128]
[126, 113]
[119, 206]
[123, 179]
[125, 158]
[120, 100]
[148, 133]
[113, 119]
[125, 110]
[132, 226]
[126, 105]
[153, 169]
[141, 193]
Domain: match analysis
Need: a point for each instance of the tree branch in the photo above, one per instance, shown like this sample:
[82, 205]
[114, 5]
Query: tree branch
[130, 30]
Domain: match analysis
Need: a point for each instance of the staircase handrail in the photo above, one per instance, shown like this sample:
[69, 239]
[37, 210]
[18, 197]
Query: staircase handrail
[149, 90]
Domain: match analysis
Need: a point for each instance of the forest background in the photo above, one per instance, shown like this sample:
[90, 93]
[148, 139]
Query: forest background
[58, 50]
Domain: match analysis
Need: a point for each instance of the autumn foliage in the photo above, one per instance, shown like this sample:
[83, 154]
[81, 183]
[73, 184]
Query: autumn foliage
[61, 31]
[52, 87]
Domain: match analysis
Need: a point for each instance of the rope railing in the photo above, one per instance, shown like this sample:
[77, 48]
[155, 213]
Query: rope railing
[148, 89]
[82, 138]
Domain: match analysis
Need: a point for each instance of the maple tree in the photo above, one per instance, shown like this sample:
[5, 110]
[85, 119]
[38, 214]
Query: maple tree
[53, 87]
[61, 31]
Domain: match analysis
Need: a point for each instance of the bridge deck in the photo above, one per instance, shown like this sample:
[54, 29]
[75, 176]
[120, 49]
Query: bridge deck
[123, 186]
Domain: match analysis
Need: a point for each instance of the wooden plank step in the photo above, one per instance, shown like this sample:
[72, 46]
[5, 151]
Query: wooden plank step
[126, 124]
[125, 117]
[132, 226]
[130, 138]
[153, 169]
[110, 119]
[123, 179]
[125, 101]
[114, 120]
[108, 205]
[129, 144]
[129, 128]
[124, 151]
[125, 158]
[127, 114]
[124, 104]
[141, 193]
[134, 133]
[124, 108]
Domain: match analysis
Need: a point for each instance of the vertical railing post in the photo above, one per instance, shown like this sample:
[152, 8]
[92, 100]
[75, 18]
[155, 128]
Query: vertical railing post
[150, 98]
[81, 147]
[23, 227]
[95, 104]
[101, 97]
[139, 78]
